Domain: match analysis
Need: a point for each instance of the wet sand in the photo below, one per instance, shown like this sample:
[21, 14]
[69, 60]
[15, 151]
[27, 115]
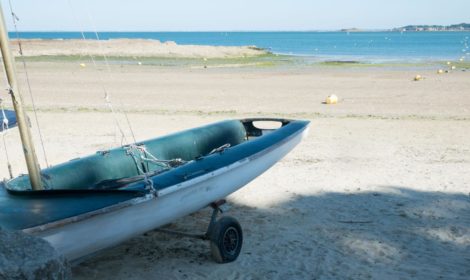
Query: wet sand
[379, 189]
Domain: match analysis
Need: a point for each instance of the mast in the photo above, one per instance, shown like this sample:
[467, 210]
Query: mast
[25, 133]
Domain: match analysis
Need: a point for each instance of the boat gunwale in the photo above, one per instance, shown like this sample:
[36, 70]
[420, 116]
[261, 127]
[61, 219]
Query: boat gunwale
[57, 192]
[155, 194]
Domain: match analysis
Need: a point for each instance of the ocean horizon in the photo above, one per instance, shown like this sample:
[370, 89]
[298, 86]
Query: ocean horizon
[369, 46]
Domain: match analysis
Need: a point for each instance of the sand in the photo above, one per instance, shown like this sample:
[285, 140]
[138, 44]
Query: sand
[379, 189]
[128, 47]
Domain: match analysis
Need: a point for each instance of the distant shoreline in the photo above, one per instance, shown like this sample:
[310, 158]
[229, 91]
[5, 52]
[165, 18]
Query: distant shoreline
[90, 35]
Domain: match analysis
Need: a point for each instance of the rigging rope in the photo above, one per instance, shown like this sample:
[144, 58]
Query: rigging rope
[140, 152]
[15, 19]
[106, 94]
[148, 157]
[106, 97]
[109, 72]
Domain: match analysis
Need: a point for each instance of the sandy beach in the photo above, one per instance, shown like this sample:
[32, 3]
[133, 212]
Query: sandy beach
[379, 189]
[129, 48]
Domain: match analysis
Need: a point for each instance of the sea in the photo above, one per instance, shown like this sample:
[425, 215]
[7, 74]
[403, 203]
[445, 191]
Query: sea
[350, 46]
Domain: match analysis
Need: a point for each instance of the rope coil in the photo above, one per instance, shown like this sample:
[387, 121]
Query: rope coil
[139, 152]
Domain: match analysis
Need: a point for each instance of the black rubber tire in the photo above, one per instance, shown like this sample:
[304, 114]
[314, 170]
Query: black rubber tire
[226, 240]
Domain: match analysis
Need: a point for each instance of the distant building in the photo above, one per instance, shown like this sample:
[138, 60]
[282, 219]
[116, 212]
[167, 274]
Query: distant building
[430, 28]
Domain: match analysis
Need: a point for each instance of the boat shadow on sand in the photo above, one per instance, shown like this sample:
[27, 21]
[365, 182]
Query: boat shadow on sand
[397, 233]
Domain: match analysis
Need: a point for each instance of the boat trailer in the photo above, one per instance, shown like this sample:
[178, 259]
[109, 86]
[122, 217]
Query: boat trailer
[225, 234]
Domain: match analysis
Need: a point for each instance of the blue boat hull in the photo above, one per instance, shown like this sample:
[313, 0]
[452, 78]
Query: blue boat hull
[10, 117]
[122, 209]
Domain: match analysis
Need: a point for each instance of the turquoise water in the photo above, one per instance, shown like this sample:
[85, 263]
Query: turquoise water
[363, 46]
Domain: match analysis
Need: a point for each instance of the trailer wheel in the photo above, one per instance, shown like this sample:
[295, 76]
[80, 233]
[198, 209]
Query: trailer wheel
[226, 240]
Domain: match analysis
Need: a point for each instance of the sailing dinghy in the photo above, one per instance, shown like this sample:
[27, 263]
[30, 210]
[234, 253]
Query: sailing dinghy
[98, 201]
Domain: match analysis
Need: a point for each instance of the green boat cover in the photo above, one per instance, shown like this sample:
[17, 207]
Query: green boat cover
[126, 162]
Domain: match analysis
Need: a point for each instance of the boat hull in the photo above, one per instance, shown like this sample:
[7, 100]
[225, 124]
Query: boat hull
[83, 237]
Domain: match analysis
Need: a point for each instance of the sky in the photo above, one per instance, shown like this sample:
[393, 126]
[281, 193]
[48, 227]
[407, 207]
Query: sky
[233, 15]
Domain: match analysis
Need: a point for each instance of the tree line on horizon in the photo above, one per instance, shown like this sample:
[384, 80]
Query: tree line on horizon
[453, 27]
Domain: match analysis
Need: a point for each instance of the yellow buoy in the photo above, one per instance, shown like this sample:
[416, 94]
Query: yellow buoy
[83, 65]
[418, 78]
[332, 99]
[205, 59]
[440, 71]
[453, 67]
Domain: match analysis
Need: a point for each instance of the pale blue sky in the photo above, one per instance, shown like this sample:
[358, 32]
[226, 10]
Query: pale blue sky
[217, 15]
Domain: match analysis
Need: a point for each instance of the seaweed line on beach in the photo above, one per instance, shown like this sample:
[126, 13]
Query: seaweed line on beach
[231, 113]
